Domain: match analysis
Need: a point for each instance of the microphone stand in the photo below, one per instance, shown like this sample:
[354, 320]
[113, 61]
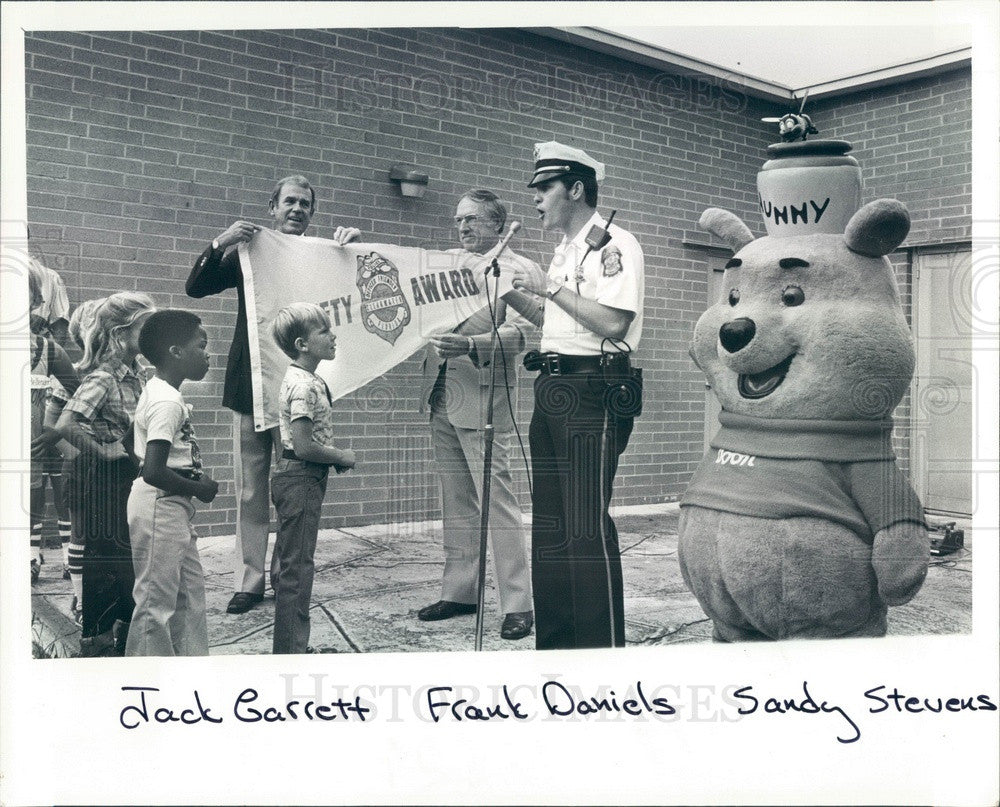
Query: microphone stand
[484, 512]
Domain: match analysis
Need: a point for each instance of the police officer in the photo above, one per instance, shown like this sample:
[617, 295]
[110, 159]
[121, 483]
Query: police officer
[591, 298]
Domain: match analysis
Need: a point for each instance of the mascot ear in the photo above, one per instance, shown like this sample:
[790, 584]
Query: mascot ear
[877, 228]
[726, 226]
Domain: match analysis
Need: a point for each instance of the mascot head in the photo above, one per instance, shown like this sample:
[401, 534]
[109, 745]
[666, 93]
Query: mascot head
[809, 326]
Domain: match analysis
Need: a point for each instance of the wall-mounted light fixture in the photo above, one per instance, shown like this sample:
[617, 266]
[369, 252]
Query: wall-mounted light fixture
[411, 182]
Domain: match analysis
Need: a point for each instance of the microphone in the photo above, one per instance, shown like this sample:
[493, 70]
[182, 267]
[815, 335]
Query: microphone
[598, 238]
[511, 231]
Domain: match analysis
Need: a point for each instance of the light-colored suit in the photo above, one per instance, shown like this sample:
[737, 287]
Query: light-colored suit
[457, 422]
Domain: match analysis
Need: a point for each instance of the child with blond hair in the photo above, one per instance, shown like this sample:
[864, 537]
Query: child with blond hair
[80, 323]
[97, 420]
[305, 417]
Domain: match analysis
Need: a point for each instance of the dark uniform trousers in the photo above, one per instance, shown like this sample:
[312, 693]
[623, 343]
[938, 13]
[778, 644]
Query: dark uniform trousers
[576, 565]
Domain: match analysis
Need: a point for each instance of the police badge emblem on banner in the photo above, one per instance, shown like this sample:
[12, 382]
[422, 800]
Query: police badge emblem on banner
[384, 310]
[384, 302]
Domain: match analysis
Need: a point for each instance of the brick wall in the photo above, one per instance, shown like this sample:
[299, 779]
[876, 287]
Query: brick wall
[914, 144]
[144, 146]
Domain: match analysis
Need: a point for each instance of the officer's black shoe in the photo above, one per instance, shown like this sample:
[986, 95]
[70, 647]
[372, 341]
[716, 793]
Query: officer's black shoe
[517, 625]
[444, 609]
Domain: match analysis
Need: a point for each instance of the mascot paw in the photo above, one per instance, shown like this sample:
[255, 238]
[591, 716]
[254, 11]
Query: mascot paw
[899, 555]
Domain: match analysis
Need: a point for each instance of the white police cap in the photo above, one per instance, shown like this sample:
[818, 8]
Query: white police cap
[554, 159]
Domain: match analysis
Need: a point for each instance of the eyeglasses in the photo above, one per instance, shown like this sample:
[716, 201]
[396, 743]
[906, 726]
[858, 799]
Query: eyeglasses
[470, 220]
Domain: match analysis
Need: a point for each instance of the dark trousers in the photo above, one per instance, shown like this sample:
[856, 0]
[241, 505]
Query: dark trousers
[575, 560]
[99, 495]
[297, 490]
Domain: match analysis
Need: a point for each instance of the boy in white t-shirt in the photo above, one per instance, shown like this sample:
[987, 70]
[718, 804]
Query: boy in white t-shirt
[169, 617]
[305, 418]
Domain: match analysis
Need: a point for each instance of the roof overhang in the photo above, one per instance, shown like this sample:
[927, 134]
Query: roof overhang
[622, 47]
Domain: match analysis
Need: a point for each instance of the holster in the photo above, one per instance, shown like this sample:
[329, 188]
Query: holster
[622, 385]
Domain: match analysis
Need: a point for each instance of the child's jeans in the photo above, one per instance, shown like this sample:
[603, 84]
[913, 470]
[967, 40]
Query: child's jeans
[297, 490]
[169, 594]
[101, 493]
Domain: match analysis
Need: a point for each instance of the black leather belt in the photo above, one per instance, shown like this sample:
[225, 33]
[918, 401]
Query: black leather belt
[562, 363]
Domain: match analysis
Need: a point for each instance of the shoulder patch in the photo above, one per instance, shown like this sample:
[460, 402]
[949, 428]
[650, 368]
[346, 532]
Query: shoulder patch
[611, 260]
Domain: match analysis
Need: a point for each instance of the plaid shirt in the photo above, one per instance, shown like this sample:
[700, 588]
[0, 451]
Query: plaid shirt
[107, 399]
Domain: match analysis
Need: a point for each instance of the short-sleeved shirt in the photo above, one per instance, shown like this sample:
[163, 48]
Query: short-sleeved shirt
[612, 276]
[55, 302]
[106, 399]
[41, 373]
[162, 414]
[840, 471]
[41, 354]
[305, 395]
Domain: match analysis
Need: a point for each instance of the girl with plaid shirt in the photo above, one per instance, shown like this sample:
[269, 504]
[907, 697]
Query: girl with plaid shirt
[98, 420]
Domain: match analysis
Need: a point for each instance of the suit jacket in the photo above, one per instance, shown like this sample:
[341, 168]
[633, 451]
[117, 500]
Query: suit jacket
[215, 271]
[467, 383]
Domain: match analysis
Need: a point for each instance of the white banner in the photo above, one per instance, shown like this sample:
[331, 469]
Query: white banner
[384, 303]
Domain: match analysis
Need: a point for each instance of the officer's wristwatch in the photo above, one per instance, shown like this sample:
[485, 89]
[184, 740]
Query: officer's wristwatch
[553, 288]
[215, 244]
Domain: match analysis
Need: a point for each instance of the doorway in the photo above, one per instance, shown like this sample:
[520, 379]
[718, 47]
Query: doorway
[941, 419]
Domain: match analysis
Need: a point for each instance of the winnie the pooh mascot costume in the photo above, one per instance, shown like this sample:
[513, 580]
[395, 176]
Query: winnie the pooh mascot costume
[798, 522]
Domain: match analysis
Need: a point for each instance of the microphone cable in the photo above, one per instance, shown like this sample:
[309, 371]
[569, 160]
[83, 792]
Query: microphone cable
[510, 404]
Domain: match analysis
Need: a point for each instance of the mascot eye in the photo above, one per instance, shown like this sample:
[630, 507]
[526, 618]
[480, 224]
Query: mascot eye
[793, 295]
[734, 296]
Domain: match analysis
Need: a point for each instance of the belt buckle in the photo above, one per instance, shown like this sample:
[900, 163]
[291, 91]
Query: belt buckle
[552, 362]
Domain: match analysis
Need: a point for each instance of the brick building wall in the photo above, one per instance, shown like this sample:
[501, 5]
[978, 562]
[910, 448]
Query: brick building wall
[144, 146]
[913, 141]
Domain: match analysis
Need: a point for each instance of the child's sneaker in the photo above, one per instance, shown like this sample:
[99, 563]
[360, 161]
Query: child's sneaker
[76, 611]
[95, 646]
[119, 632]
[36, 570]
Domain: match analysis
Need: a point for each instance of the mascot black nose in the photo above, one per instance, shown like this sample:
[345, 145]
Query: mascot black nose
[737, 334]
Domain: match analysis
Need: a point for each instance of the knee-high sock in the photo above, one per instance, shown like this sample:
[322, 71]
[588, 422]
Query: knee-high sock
[36, 541]
[75, 553]
[65, 532]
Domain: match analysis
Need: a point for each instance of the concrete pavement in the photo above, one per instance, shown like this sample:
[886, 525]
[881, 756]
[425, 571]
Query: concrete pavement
[371, 581]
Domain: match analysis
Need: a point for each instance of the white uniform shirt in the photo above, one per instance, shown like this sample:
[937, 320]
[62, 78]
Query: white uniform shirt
[612, 276]
[162, 414]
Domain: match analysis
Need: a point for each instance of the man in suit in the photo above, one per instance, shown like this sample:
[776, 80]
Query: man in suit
[292, 204]
[459, 364]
